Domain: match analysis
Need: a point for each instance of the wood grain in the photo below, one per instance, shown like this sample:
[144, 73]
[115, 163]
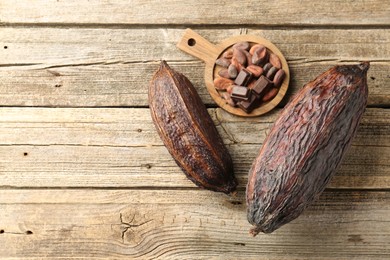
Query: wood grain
[185, 224]
[119, 147]
[112, 67]
[171, 12]
[93, 180]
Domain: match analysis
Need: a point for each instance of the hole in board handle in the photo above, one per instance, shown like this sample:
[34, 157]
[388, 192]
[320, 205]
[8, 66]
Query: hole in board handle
[191, 42]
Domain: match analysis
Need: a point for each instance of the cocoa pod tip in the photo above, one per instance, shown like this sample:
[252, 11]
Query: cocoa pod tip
[364, 66]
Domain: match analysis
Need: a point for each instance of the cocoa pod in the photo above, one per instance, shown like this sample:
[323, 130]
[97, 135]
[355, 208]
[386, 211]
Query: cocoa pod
[305, 146]
[188, 132]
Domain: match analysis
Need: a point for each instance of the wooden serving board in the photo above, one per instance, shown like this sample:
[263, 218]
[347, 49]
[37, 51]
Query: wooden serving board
[197, 46]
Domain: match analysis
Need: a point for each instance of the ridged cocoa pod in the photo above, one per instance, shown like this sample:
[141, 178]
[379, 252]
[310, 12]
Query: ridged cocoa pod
[305, 146]
[188, 131]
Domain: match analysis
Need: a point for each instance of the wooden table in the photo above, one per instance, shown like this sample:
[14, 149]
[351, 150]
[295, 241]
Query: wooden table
[84, 174]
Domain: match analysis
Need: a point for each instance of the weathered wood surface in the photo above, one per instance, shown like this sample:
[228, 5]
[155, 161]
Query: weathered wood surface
[119, 147]
[93, 180]
[186, 224]
[135, 12]
[112, 67]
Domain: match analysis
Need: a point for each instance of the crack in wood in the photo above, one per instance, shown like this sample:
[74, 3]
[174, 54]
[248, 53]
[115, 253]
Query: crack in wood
[125, 226]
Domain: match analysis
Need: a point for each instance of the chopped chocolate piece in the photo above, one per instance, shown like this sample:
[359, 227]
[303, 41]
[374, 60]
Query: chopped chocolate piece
[249, 105]
[240, 93]
[261, 86]
[243, 78]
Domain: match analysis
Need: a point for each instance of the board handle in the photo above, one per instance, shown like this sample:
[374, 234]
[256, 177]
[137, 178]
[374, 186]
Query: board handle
[197, 46]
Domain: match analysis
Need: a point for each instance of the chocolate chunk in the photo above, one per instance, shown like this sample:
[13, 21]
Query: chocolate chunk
[240, 93]
[261, 86]
[243, 78]
[249, 105]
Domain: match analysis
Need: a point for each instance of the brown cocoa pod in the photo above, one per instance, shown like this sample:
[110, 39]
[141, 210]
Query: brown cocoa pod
[188, 132]
[275, 61]
[239, 56]
[222, 83]
[305, 146]
[223, 62]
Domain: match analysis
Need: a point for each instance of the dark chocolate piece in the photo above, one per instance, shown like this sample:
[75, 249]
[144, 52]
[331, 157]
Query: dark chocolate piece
[262, 85]
[243, 78]
[249, 105]
[240, 93]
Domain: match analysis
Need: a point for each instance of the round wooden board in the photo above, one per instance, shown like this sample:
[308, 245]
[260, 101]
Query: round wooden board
[199, 47]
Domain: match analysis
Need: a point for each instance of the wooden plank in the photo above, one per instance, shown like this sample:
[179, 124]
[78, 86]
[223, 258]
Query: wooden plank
[112, 67]
[107, 147]
[284, 12]
[185, 224]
